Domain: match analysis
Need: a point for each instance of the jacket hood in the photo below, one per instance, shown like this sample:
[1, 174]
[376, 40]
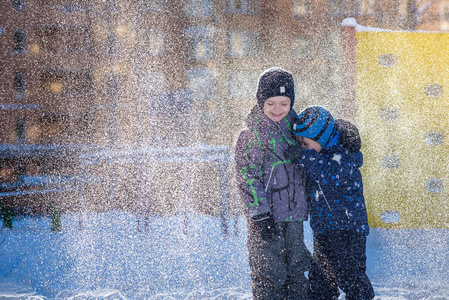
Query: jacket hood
[349, 135]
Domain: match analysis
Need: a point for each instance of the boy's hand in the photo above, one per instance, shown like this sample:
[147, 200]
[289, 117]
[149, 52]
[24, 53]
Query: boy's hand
[294, 153]
[265, 225]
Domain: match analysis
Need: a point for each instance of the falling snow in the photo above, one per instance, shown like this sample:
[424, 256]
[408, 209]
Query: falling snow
[110, 259]
[116, 123]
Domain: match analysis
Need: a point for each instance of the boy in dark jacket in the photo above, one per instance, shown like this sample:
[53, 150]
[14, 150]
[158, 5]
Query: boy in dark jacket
[337, 207]
[273, 192]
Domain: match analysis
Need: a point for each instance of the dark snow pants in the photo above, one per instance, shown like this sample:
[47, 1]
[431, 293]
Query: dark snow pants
[339, 261]
[278, 265]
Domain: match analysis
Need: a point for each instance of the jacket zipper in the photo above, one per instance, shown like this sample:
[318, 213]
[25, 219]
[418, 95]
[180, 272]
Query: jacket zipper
[324, 196]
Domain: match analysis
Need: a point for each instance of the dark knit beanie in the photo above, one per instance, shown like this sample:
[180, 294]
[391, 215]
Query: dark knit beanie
[315, 123]
[275, 82]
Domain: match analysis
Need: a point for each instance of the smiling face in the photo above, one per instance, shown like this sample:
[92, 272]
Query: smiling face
[308, 144]
[276, 108]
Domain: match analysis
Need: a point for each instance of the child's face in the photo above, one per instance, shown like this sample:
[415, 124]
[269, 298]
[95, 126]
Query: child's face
[308, 144]
[276, 108]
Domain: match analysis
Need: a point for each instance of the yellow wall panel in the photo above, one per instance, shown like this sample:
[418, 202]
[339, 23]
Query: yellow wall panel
[403, 117]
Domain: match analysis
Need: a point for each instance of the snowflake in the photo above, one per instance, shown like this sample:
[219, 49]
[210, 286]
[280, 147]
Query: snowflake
[337, 158]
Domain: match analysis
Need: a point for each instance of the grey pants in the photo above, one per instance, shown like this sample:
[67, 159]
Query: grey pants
[278, 265]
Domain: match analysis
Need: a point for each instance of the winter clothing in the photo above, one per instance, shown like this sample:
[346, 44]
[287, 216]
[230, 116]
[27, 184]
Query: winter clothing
[267, 181]
[336, 190]
[335, 179]
[337, 214]
[337, 207]
[273, 192]
[294, 152]
[278, 266]
[316, 123]
[349, 135]
[265, 226]
[339, 260]
[275, 82]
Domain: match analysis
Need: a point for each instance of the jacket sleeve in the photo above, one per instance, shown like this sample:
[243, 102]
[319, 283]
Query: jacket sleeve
[334, 170]
[249, 156]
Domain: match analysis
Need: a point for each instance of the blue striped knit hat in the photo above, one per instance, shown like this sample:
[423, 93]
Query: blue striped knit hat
[316, 123]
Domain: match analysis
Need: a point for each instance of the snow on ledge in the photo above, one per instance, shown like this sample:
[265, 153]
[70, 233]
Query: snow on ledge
[351, 22]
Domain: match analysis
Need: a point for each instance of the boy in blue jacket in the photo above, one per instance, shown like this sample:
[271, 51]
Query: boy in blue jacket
[337, 206]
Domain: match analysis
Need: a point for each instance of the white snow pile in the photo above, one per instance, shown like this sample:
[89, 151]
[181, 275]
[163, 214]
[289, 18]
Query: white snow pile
[110, 259]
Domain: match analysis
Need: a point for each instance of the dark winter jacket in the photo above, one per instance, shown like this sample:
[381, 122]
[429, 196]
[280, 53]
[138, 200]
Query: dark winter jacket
[336, 189]
[267, 181]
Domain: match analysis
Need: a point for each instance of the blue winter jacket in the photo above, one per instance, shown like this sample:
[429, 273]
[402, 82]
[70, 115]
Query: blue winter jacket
[336, 190]
[267, 181]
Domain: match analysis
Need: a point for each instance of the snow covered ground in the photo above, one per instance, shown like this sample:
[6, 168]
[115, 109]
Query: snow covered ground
[110, 259]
